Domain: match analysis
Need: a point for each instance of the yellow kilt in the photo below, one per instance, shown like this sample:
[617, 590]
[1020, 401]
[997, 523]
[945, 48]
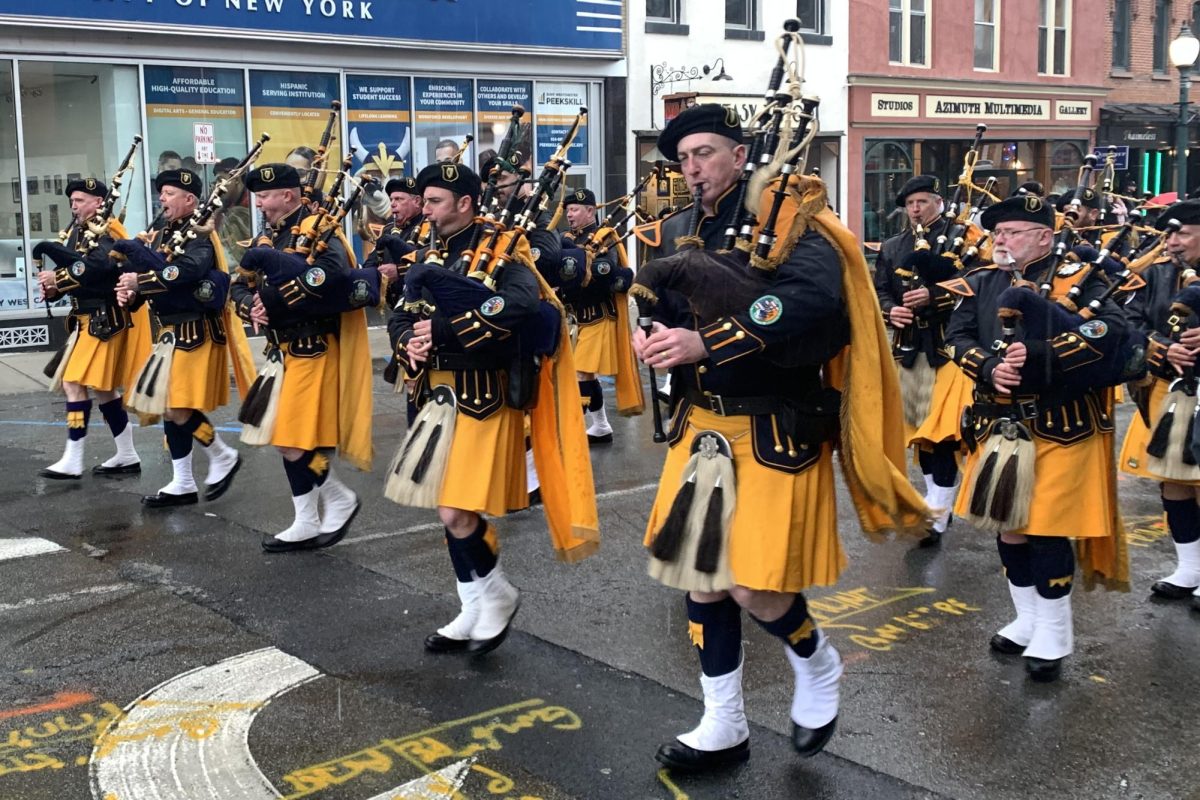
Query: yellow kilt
[485, 472]
[784, 536]
[200, 377]
[596, 351]
[1133, 460]
[1073, 488]
[308, 399]
[96, 364]
[952, 392]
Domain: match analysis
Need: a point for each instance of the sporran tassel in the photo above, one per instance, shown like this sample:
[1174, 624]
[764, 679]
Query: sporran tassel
[260, 407]
[1169, 451]
[149, 395]
[1002, 489]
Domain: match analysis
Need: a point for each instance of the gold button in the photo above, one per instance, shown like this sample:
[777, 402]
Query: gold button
[740, 335]
[476, 325]
[488, 396]
[792, 453]
[707, 393]
[727, 326]
[803, 447]
[1072, 339]
[702, 370]
[778, 448]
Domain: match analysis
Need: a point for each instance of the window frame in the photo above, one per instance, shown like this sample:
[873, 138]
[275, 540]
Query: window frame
[1161, 39]
[1122, 18]
[818, 7]
[906, 44]
[751, 18]
[1050, 24]
[995, 26]
[676, 17]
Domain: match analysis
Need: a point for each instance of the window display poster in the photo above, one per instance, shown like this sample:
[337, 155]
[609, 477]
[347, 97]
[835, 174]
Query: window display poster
[294, 107]
[379, 122]
[442, 120]
[555, 110]
[495, 101]
[178, 99]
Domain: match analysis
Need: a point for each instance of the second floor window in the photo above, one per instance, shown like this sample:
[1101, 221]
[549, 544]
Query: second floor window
[739, 14]
[663, 11]
[1120, 52]
[987, 33]
[1054, 27]
[1162, 34]
[811, 14]
[908, 32]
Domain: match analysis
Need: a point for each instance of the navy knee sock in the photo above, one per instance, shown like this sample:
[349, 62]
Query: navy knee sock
[796, 627]
[115, 415]
[716, 630]
[179, 440]
[1183, 518]
[1015, 558]
[476, 555]
[1052, 560]
[199, 428]
[940, 463]
[78, 414]
[594, 394]
[307, 472]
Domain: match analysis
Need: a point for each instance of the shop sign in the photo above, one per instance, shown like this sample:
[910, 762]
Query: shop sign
[555, 108]
[558, 24]
[939, 106]
[1080, 110]
[895, 105]
[746, 106]
[494, 101]
[1120, 156]
[377, 119]
[293, 107]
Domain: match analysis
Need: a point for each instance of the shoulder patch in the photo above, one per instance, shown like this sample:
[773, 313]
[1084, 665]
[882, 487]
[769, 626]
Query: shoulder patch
[492, 306]
[1094, 329]
[766, 310]
[314, 277]
[958, 286]
[170, 272]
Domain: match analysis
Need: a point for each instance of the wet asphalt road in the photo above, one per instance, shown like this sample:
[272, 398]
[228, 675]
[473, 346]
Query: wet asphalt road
[303, 675]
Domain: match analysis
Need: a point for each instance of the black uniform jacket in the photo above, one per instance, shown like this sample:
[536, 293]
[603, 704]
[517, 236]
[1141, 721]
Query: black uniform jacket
[609, 276]
[931, 319]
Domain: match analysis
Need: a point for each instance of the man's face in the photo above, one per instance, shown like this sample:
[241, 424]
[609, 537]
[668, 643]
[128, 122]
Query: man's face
[922, 208]
[168, 164]
[177, 202]
[276, 204]
[84, 205]
[711, 160]
[1019, 243]
[445, 152]
[405, 206]
[1184, 244]
[443, 209]
[506, 184]
[580, 216]
[233, 188]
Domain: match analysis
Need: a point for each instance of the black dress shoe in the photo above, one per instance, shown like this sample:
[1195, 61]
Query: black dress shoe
[214, 490]
[478, 647]
[1043, 670]
[933, 538]
[810, 741]
[1005, 646]
[436, 643]
[117, 471]
[166, 500]
[603, 439]
[535, 498]
[46, 472]
[272, 545]
[678, 755]
[1170, 591]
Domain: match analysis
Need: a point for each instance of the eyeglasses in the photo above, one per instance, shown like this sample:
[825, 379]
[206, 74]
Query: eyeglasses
[1008, 234]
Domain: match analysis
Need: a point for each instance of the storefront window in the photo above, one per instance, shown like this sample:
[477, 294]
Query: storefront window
[495, 101]
[443, 118]
[888, 165]
[196, 119]
[1065, 160]
[294, 107]
[556, 108]
[13, 293]
[77, 120]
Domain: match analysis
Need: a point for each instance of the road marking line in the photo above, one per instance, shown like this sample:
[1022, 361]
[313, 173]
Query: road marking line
[62, 597]
[27, 546]
[61, 702]
[437, 526]
[446, 782]
[208, 755]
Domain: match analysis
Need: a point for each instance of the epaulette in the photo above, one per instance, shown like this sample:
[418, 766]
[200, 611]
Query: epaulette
[649, 234]
[958, 286]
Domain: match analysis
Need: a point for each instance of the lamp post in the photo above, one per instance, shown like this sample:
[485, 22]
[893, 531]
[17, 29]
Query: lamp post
[1183, 51]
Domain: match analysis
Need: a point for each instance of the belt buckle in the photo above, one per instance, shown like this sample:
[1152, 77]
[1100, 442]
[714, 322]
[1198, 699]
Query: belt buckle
[1027, 409]
[716, 404]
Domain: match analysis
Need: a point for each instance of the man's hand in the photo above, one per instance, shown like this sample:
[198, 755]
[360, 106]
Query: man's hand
[258, 313]
[389, 271]
[900, 317]
[916, 298]
[1007, 375]
[47, 287]
[670, 347]
[1190, 338]
[1181, 357]
[640, 337]
[420, 343]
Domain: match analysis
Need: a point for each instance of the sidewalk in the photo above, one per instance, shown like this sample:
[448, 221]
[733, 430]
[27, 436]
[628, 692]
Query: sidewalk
[21, 373]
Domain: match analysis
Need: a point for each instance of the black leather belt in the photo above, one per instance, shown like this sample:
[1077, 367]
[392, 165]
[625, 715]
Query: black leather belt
[90, 306]
[181, 317]
[1018, 409]
[461, 362]
[735, 406]
[301, 330]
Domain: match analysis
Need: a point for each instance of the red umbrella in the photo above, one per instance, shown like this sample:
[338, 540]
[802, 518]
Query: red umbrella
[1164, 199]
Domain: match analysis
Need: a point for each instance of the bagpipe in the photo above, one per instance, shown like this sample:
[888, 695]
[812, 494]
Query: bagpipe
[313, 182]
[1173, 447]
